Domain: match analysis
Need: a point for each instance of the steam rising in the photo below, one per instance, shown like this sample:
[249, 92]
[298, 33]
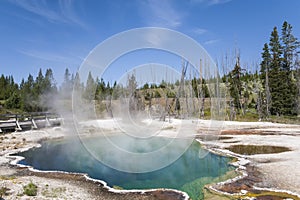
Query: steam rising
[124, 125]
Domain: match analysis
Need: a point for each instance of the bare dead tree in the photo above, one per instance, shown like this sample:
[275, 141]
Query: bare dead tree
[182, 93]
[245, 92]
[150, 103]
[297, 69]
[201, 92]
[258, 92]
[268, 94]
[108, 106]
[232, 112]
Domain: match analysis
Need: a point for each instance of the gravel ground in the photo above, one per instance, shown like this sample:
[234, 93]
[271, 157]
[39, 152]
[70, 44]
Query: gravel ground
[280, 171]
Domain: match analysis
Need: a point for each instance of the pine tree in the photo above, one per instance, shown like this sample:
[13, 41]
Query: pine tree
[235, 85]
[49, 89]
[14, 101]
[49, 82]
[27, 94]
[90, 88]
[67, 76]
[275, 81]
[290, 45]
[265, 64]
[66, 87]
[101, 90]
[116, 91]
[3, 87]
[38, 87]
[265, 96]
[78, 87]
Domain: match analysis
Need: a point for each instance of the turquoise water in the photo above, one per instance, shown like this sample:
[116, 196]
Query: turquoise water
[189, 173]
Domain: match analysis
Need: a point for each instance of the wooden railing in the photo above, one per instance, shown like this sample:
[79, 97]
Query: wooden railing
[26, 121]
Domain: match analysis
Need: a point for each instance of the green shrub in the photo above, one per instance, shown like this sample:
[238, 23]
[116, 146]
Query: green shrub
[3, 191]
[30, 189]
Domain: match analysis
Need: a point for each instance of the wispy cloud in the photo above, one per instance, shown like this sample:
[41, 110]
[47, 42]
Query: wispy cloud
[215, 2]
[161, 13]
[61, 12]
[157, 37]
[210, 2]
[199, 31]
[52, 57]
[209, 42]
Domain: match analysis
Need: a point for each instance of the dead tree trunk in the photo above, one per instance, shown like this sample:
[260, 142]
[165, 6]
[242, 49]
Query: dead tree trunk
[182, 83]
[268, 94]
[201, 93]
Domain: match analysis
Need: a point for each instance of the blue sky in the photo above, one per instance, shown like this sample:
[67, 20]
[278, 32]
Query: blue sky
[58, 34]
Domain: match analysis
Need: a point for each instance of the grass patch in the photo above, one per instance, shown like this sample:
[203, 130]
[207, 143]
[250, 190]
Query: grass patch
[263, 195]
[3, 192]
[285, 119]
[255, 149]
[7, 177]
[250, 116]
[53, 192]
[30, 189]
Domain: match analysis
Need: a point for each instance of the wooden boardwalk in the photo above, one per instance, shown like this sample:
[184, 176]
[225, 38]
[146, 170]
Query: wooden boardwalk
[20, 122]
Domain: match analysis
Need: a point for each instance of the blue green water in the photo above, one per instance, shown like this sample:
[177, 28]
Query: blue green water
[189, 173]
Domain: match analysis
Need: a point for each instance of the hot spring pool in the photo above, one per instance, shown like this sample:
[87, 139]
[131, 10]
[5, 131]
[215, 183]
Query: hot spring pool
[189, 173]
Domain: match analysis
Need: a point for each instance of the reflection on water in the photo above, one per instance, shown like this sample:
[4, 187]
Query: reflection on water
[187, 173]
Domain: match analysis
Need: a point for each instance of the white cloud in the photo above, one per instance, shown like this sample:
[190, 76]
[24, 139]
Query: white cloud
[210, 2]
[161, 13]
[157, 37]
[52, 57]
[68, 11]
[211, 42]
[199, 31]
[63, 12]
[215, 2]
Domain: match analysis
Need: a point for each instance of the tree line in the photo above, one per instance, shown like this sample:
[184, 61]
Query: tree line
[276, 86]
[31, 95]
[280, 73]
[274, 89]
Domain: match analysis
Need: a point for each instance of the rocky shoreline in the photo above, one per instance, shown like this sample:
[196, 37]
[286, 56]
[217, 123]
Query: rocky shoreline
[266, 159]
[60, 185]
